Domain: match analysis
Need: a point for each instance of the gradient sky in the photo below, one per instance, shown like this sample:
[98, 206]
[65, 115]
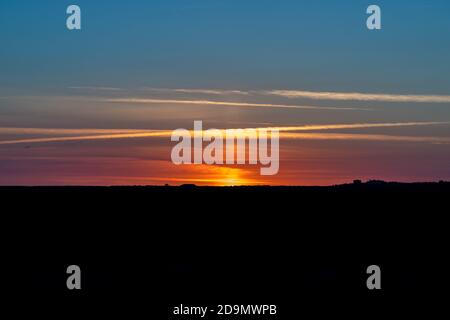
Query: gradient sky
[138, 66]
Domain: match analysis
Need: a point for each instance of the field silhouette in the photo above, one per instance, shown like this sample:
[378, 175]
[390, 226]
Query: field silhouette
[192, 244]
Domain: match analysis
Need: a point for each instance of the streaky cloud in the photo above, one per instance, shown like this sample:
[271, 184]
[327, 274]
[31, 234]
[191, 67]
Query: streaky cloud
[59, 131]
[354, 126]
[287, 132]
[213, 91]
[365, 137]
[153, 133]
[313, 95]
[198, 91]
[283, 135]
[96, 88]
[223, 103]
[357, 96]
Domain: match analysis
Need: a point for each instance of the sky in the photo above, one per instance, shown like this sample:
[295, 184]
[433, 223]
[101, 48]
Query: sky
[96, 106]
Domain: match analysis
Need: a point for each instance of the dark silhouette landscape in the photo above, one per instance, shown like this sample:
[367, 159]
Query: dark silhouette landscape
[214, 245]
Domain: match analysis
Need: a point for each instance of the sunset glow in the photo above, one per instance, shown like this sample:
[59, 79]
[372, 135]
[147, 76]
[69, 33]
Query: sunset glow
[91, 107]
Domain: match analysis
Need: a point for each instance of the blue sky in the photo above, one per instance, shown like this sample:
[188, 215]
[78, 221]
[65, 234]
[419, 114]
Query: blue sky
[315, 45]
